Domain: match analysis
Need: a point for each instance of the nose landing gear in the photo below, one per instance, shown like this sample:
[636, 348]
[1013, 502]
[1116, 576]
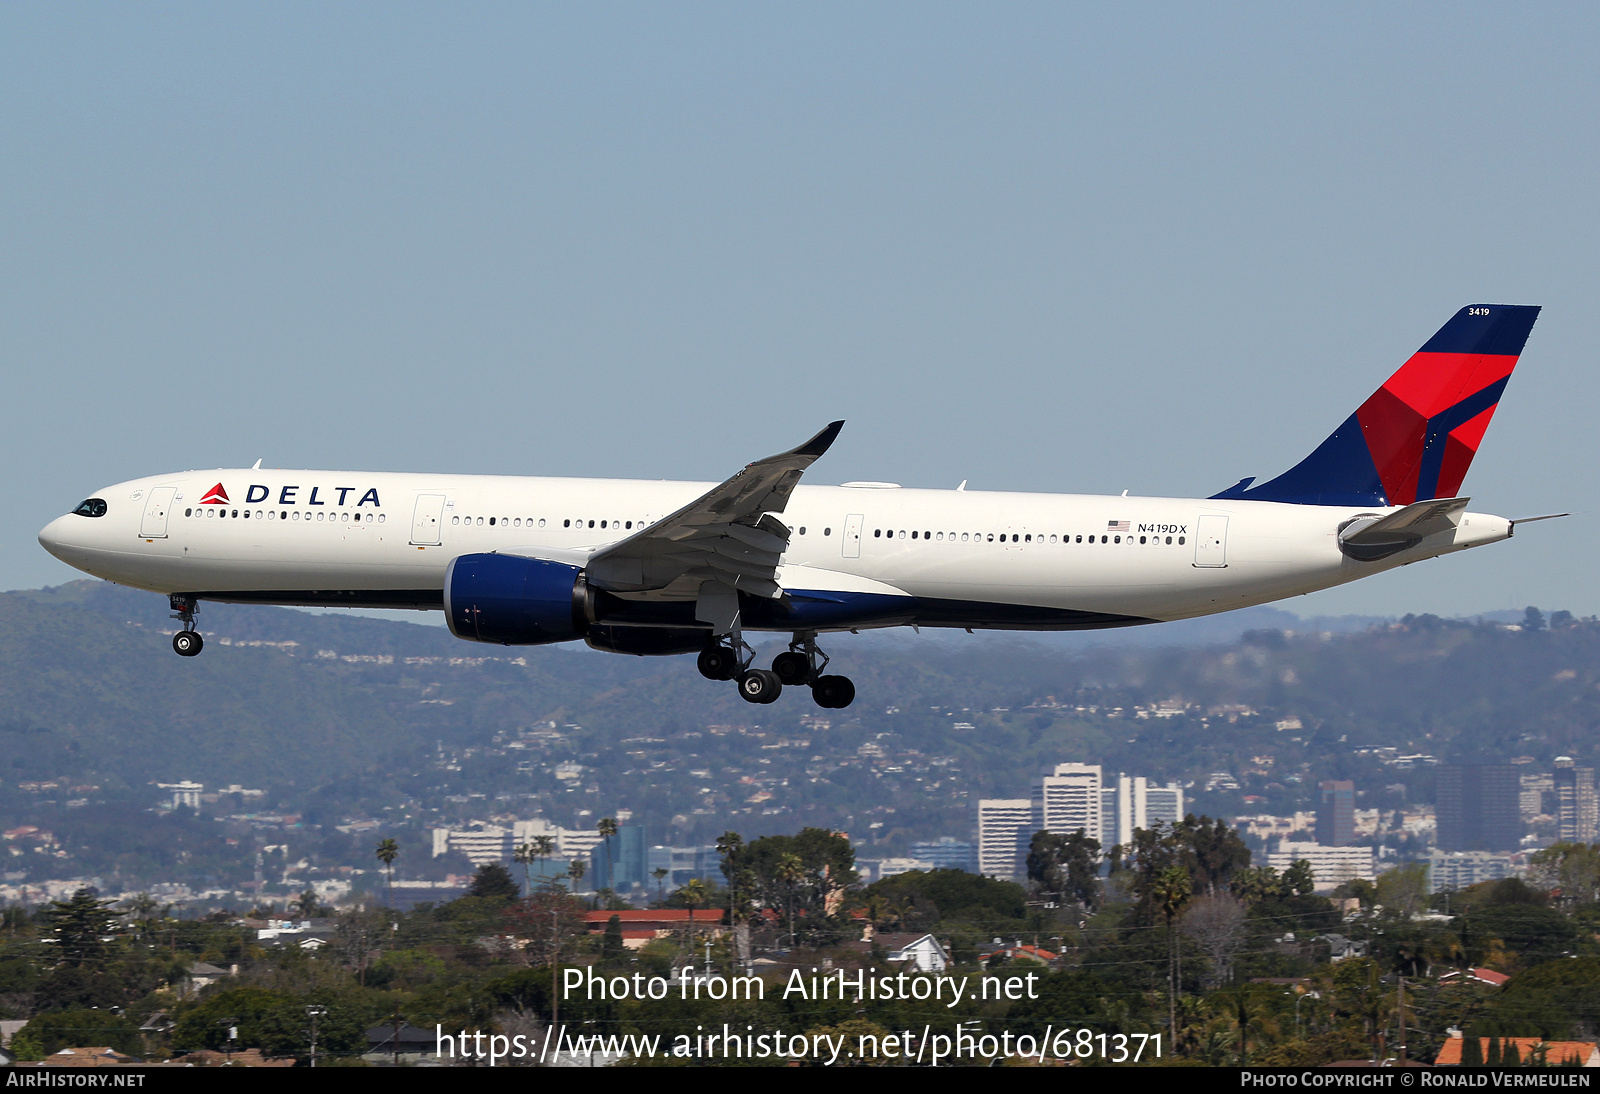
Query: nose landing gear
[187, 642]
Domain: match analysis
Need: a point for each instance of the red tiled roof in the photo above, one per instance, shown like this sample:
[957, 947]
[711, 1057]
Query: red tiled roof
[1556, 1052]
[673, 916]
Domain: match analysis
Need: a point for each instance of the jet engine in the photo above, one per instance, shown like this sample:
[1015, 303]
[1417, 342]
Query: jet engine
[515, 601]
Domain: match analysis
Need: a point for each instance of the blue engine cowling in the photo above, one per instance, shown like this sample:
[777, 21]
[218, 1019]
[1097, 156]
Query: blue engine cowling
[514, 601]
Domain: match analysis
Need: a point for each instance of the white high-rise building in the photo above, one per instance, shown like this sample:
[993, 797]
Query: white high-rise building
[1005, 827]
[1067, 798]
[1329, 865]
[1134, 802]
[1163, 804]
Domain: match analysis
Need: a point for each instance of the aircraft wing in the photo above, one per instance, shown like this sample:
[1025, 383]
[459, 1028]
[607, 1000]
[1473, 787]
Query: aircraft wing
[726, 537]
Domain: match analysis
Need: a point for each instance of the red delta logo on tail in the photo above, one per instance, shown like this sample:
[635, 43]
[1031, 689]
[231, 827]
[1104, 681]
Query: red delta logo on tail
[1414, 439]
[215, 496]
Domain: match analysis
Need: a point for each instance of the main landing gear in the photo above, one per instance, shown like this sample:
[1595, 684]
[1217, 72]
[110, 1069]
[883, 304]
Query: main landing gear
[187, 642]
[799, 666]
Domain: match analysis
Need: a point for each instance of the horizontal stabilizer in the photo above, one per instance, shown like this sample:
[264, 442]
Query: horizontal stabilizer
[1374, 537]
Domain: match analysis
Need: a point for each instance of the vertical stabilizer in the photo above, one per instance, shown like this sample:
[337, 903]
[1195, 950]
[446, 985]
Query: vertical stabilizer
[1414, 439]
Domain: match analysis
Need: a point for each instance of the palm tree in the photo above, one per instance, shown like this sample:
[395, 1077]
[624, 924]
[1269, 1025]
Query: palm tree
[694, 892]
[660, 874]
[575, 870]
[523, 856]
[791, 871]
[608, 828]
[388, 851]
[543, 848]
[1172, 890]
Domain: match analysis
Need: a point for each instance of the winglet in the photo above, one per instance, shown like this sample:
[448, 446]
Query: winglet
[819, 444]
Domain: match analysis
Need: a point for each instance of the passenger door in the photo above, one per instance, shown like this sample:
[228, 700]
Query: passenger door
[852, 535]
[153, 525]
[426, 520]
[1211, 541]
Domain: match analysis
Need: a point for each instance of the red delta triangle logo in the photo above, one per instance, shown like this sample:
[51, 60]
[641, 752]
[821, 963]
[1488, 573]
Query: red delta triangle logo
[215, 496]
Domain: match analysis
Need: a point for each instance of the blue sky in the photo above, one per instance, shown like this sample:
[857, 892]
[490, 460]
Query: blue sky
[1037, 247]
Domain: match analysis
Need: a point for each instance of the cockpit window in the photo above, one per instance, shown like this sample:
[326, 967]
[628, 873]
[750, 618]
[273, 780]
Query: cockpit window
[94, 507]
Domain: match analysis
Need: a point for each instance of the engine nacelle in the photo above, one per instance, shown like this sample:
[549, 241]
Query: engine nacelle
[515, 601]
[647, 641]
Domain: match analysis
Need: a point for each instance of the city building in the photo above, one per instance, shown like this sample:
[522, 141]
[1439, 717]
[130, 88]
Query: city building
[1577, 811]
[185, 795]
[946, 853]
[1067, 799]
[872, 870]
[623, 863]
[483, 843]
[1479, 807]
[1459, 869]
[1005, 828]
[1134, 802]
[1538, 797]
[1330, 866]
[1336, 813]
[683, 864]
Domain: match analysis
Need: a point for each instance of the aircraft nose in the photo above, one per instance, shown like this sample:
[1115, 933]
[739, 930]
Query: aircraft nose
[54, 538]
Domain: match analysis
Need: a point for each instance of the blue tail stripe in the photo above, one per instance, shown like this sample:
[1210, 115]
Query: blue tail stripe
[1439, 428]
[1503, 332]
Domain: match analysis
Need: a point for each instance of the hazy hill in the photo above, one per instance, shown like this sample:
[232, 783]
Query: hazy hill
[353, 713]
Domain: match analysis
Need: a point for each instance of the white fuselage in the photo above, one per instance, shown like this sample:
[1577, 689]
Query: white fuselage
[382, 539]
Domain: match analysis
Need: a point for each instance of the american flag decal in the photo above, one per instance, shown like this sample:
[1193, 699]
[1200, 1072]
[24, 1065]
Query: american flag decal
[1118, 526]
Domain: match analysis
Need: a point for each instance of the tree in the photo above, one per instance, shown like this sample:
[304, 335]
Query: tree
[1404, 889]
[741, 884]
[307, 905]
[493, 881]
[608, 828]
[611, 945]
[575, 870]
[524, 855]
[543, 920]
[543, 848]
[1066, 866]
[79, 926]
[388, 850]
[1570, 872]
[692, 893]
[1172, 889]
[660, 874]
[1217, 924]
[811, 897]
[790, 873]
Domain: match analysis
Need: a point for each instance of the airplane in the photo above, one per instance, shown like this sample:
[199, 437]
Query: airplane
[648, 568]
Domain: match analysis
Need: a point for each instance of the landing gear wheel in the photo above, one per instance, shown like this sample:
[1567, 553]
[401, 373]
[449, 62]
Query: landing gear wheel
[187, 643]
[834, 692]
[760, 686]
[717, 663]
[793, 668]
